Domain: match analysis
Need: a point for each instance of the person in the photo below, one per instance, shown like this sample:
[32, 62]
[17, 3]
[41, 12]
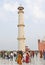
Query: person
[11, 56]
[19, 59]
[44, 54]
[24, 57]
[27, 58]
[33, 54]
[40, 54]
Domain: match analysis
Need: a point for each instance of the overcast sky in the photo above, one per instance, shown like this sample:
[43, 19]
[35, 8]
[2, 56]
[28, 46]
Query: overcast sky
[34, 20]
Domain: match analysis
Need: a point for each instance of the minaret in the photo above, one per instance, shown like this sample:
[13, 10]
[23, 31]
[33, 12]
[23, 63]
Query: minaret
[21, 38]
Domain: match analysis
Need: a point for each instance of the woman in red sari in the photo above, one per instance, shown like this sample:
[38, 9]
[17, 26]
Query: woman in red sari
[27, 58]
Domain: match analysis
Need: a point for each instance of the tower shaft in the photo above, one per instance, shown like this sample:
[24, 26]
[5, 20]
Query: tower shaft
[21, 38]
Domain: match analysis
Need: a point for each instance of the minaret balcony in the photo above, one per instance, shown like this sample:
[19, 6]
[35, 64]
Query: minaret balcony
[20, 25]
[21, 38]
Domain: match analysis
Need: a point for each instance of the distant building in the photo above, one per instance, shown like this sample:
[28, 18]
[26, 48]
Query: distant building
[41, 45]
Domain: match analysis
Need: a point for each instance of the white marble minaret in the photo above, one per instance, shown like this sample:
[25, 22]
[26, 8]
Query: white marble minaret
[21, 37]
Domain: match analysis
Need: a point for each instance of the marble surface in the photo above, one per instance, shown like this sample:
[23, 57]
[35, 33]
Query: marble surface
[34, 61]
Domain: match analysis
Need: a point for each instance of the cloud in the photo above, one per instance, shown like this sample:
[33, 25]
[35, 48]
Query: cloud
[12, 7]
[34, 10]
[37, 13]
[8, 11]
[2, 14]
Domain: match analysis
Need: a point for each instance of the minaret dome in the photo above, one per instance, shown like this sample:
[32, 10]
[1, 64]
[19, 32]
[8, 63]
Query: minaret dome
[20, 8]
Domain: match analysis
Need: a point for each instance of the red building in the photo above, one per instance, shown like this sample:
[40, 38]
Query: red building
[41, 45]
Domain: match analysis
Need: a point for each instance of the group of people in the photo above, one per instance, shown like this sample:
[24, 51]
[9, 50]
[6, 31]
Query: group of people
[7, 55]
[22, 58]
[26, 57]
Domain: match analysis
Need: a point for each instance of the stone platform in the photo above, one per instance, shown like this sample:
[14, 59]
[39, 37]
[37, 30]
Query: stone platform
[34, 61]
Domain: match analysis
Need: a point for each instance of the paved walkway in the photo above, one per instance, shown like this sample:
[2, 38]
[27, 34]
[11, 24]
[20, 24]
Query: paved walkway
[34, 61]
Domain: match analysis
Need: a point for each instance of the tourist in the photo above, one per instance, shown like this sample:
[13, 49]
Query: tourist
[27, 58]
[32, 54]
[24, 57]
[41, 54]
[36, 53]
[44, 54]
[19, 59]
[11, 56]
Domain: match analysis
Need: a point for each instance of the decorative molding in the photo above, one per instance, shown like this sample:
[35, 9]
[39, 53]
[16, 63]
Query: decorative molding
[20, 11]
[20, 25]
[21, 38]
[20, 8]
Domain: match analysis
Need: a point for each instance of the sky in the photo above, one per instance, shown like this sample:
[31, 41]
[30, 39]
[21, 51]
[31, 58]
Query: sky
[34, 20]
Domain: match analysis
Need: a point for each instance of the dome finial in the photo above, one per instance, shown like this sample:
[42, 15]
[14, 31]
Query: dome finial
[20, 5]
